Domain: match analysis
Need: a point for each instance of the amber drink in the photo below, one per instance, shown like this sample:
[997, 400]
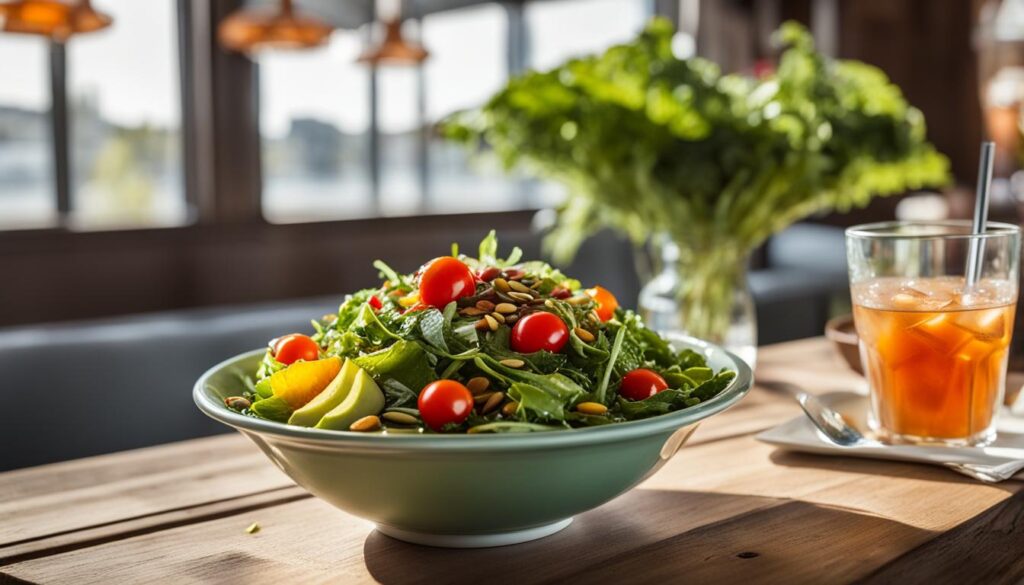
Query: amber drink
[934, 346]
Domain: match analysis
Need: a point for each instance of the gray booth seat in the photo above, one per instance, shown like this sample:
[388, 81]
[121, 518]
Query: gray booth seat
[78, 389]
[803, 283]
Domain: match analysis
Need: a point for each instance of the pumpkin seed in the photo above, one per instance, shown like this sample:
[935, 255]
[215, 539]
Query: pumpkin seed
[536, 285]
[478, 384]
[482, 398]
[366, 424]
[591, 408]
[578, 300]
[237, 402]
[482, 325]
[501, 285]
[492, 402]
[492, 323]
[488, 274]
[505, 308]
[512, 363]
[483, 305]
[472, 311]
[519, 287]
[400, 418]
[498, 317]
[520, 296]
[510, 408]
[584, 334]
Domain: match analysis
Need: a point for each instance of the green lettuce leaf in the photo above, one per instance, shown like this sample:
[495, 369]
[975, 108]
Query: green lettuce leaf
[405, 362]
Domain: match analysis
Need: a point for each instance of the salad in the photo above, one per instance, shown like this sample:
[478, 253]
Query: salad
[475, 345]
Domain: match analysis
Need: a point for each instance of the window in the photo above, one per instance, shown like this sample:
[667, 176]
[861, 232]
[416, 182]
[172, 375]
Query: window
[27, 192]
[562, 29]
[338, 139]
[314, 121]
[468, 63]
[123, 136]
[399, 127]
[125, 112]
[414, 169]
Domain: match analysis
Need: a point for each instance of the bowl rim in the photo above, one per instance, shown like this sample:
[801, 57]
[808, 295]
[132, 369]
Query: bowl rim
[737, 388]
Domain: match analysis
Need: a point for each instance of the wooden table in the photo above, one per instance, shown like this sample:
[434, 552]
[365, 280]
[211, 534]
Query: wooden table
[726, 509]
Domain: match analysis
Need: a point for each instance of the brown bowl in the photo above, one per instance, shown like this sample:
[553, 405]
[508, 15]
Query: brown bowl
[843, 335]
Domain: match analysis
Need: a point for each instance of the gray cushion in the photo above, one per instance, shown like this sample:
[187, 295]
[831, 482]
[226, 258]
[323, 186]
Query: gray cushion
[79, 389]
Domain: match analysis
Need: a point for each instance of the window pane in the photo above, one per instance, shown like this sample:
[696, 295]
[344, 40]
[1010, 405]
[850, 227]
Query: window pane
[314, 119]
[397, 94]
[27, 197]
[561, 29]
[124, 95]
[468, 63]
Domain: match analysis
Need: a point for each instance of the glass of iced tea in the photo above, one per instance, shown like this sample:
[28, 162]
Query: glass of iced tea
[934, 341]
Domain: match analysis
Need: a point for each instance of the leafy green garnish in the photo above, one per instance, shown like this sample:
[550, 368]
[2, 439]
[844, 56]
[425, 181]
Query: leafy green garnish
[599, 394]
[405, 362]
[272, 408]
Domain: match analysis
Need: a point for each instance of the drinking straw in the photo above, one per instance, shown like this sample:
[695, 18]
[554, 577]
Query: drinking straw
[976, 250]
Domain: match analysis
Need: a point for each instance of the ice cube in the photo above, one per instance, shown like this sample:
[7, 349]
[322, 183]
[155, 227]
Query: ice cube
[940, 334]
[905, 301]
[984, 324]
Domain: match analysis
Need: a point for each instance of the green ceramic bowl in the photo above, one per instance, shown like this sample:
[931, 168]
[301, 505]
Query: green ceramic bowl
[469, 490]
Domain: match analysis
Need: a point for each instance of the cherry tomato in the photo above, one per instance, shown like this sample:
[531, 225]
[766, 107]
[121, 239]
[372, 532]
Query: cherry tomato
[444, 280]
[444, 402]
[538, 331]
[292, 348]
[606, 302]
[641, 383]
[375, 303]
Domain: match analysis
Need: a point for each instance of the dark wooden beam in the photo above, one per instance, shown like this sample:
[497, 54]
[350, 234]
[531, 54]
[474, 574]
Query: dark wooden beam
[237, 180]
[60, 127]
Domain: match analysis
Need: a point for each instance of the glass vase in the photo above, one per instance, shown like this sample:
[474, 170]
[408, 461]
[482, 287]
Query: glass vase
[703, 294]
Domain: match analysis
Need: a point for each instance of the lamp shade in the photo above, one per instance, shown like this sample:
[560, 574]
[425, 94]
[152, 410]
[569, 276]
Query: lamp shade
[250, 30]
[394, 49]
[52, 18]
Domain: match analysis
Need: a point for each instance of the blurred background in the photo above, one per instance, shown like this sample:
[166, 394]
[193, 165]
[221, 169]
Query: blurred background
[167, 201]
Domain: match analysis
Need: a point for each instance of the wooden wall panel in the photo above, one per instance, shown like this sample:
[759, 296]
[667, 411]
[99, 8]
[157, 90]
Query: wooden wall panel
[925, 47]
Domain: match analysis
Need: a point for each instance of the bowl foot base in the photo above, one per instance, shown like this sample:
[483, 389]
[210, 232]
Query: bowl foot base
[474, 540]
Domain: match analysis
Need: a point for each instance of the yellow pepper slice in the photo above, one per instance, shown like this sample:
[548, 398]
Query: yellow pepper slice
[302, 381]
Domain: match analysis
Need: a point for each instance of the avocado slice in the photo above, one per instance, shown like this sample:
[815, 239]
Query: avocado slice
[328, 398]
[364, 399]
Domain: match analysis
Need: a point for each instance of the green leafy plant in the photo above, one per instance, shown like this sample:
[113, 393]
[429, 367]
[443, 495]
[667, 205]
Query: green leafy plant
[648, 143]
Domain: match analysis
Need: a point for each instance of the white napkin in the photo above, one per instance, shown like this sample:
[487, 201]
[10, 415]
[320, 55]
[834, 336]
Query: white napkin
[800, 434]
